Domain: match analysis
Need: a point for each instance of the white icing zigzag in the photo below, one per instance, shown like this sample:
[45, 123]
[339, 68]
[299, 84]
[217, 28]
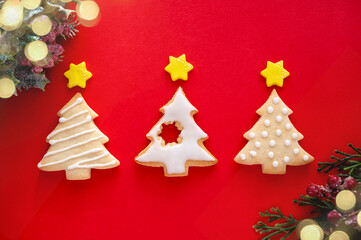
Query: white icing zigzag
[71, 157]
[78, 101]
[52, 142]
[72, 116]
[87, 119]
[97, 152]
[73, 146]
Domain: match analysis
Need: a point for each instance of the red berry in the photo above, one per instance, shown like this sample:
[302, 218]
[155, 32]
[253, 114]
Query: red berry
[314, 190]
[59, 29]
[334, 216]
[333, 181]
[349, 183]
[51, 48]
[37, 69]
[50, 37]
[53, 25]
[333, 193]
[50, 63]
[24, 61]
[58, 49]
[66, 30]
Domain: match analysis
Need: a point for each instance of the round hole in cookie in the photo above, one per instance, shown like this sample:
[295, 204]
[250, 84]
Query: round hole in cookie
[170, 133]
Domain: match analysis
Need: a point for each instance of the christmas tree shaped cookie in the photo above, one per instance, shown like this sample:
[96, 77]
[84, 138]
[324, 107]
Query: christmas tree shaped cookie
[176, 158]
[76, 144]
[273, 140]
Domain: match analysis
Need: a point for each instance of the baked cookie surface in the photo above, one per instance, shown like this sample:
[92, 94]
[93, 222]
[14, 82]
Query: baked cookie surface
[176, 158]
[76, 144]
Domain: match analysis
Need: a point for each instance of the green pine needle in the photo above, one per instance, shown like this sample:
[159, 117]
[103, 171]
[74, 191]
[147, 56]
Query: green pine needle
[286, 227]
[322, 205]
[347, 164]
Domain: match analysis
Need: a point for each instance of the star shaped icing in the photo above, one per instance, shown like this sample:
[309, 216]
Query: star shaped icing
[77, 75]
[275, 73]
[178, 68]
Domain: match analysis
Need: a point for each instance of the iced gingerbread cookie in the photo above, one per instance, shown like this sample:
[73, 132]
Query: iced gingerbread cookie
[76, 144]
[273, 140]
[176, 158]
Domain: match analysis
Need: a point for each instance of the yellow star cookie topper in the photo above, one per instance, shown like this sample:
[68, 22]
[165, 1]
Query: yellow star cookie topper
[178, 68]
[77, 75]
[275, 73]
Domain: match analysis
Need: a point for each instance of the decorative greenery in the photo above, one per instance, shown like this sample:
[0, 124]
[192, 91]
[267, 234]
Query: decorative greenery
[320, 204]
[286, 227]
[347, 165]
[30, 79]
[322, 200]
[14, 64]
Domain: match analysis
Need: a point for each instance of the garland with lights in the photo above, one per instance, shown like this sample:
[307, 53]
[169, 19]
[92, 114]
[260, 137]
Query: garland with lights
[30, 35]
[337, 205]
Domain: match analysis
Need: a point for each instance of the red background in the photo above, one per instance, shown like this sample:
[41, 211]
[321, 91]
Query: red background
[228, 42]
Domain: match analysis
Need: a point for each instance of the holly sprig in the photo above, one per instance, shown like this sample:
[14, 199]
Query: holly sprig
[286, 227]
[347, 164]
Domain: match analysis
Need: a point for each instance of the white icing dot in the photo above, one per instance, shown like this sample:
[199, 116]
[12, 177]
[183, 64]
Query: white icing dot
[296, 151]
[286, 159]
[271, 154]
[288, 142]
[284, 111]
[243, 157]
[61, 120]
[252, 134]
[264, 134]
[267, 122]
[272, 143]
[275, 164]
[278, 132]
[294, 135]
[257, 144]
[253, 153]
[278, 118]
[288, 126]
[276, 100]
[270, 109]
[305, 158]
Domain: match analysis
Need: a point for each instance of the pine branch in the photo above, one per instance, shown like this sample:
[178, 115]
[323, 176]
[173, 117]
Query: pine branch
[286, 227]
[72, 24]
[349, 164]
[59, 59]
[322, 205]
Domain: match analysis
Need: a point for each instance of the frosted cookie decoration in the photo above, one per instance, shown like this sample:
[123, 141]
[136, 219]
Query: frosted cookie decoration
[178, 68]
[77, 75]
[76, 144]
[176, 158]
[273, 140]
[275, 73]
